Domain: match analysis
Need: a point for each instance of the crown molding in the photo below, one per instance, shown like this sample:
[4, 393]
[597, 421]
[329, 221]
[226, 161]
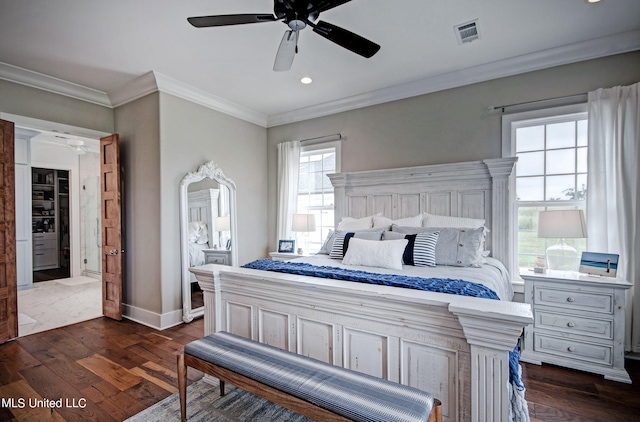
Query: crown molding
[48, 83]
[137, 88]
[592, 49]
[157, 82]
[153, 82]
[198, 96]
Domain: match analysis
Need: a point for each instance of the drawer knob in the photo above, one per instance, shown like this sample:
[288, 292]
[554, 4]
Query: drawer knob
[570, 299]
[571, 324]
[571, 348]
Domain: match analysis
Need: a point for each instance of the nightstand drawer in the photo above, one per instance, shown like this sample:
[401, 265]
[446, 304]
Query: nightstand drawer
[210, 259]
[573, 299]
[573, 324]
[571, 349]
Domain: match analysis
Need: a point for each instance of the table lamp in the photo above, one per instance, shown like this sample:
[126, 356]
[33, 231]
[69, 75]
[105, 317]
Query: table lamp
[561, 225]
[303, 223]
[223, 224]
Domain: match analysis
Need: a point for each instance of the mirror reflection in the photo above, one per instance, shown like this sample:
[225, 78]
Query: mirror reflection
[207, 229]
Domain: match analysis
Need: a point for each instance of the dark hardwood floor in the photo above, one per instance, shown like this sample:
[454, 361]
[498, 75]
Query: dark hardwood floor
[111, 370]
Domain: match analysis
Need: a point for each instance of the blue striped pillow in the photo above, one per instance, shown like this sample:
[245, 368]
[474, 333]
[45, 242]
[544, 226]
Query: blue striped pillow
[424, 249]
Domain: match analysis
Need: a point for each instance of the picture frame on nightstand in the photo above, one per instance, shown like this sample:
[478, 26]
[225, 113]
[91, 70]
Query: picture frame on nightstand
[601, 264]
[288, 245]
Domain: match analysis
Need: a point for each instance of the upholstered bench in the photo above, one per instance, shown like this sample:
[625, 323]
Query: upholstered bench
[316, 389]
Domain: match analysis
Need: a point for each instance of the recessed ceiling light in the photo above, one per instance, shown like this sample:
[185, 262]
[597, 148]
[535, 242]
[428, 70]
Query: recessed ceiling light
[306, 80]
[593, 1]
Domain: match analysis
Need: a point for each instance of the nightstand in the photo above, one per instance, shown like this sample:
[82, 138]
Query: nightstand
[578, 323]
[285, 256]
[217, 256]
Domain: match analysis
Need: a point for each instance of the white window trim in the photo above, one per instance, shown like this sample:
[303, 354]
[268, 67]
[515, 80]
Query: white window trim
[315, 146]
[509, 127]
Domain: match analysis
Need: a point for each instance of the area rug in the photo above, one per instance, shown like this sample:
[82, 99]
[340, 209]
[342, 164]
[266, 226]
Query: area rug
[205, 404]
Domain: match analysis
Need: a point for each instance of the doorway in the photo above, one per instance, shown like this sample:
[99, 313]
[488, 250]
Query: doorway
[50, 224]
[60, 282]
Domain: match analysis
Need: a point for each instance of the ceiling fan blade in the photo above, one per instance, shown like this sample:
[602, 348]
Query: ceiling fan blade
[321, 6]
[346, 39]
[224, 20]
[286, 52]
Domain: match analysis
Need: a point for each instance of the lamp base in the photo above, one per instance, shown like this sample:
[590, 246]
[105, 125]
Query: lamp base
[562, 257]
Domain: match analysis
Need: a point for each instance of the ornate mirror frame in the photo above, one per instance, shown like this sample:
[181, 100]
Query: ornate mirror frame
[207, 171]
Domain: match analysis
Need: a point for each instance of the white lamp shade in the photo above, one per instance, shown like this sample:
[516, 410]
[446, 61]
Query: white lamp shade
[303, 223]
[223, 224]
[564, 224]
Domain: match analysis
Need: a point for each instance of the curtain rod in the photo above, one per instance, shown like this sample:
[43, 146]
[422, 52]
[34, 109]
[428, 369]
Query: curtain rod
[334, 137]
[567, 97]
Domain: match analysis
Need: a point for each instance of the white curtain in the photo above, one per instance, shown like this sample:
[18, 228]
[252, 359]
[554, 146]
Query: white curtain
[288, 166]
[612, 180]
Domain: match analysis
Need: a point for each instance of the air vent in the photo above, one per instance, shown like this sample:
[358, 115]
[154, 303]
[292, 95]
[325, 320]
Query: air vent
[467, 32]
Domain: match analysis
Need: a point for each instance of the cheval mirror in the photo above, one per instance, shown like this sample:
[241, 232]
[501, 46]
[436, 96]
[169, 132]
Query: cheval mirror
[208, 229]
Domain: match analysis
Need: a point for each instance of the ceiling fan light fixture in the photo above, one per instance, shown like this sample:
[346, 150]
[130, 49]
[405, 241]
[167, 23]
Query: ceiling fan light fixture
[306, 80]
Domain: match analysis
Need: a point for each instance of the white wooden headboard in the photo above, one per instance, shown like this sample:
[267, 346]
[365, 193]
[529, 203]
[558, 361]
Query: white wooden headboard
[474, 189]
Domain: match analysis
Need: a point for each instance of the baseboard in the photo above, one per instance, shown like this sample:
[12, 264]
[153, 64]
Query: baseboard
[152, 319]
[92, 274]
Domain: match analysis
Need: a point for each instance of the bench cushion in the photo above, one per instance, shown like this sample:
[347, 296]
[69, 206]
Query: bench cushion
[352, 394]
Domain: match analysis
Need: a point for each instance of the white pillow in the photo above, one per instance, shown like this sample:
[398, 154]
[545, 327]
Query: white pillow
[432, 220]
[380, 221]
[351, 224]
[198, 232]
[371, 253]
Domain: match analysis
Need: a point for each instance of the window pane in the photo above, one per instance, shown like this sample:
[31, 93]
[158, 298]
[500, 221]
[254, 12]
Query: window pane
[582, 160]
[582, 187]
[530, 188]
[559, 187]
[561, 135]
[530, 245]
[315, 200]
[303, 203]
[529, 138]
[561, 161]
[330, 162]
[328, 200]
[582, 133]
[530, 164]
[316, 194]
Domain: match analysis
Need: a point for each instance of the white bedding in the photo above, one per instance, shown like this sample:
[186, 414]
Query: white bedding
[492, 274]
[196, 256]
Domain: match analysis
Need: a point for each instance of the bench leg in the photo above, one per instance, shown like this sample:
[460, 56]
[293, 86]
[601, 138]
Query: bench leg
[436, 412]
[221, 388]
[182, 387]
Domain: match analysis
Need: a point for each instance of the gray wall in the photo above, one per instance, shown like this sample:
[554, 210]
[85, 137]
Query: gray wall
[190, 136]
[447, 126]
[138, 124]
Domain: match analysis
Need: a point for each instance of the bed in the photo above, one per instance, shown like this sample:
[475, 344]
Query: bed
[455, 347]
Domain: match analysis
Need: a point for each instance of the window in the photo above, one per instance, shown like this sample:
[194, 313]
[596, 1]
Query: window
[315, 192]
[551, 172]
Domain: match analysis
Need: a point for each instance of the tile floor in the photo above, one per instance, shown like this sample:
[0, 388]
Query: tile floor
[56, 303]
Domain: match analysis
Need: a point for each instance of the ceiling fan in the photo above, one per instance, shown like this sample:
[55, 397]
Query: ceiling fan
[297, 15]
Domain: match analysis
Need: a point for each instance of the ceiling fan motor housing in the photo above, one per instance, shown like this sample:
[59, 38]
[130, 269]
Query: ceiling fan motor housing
[291, 11]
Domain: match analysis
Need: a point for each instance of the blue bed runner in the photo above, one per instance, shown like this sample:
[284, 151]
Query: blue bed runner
[440, 285]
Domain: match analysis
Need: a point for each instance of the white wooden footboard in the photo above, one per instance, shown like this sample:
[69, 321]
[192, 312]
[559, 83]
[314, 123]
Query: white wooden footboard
[451, 346]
